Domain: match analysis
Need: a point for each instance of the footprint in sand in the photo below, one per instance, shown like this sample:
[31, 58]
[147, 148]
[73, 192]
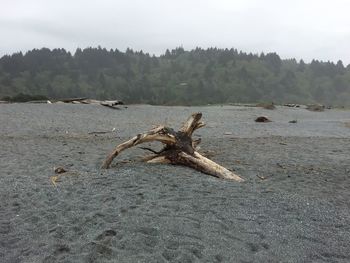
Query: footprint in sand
[150, 236]
[256, 247]
[106, 236]
[100, 247]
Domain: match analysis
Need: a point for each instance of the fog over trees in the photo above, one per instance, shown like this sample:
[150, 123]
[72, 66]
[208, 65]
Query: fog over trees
[178, 77]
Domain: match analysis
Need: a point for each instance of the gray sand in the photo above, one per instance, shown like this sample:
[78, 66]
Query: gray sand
[138, 212]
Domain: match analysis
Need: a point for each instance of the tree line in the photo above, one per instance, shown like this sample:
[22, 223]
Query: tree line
[177, 77]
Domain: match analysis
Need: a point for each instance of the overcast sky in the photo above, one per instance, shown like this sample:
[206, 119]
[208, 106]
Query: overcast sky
[298, 29]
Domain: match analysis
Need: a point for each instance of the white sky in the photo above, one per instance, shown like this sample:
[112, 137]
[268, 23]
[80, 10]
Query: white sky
[298, 29]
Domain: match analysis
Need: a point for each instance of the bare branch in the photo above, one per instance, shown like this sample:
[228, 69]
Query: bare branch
[158, 134]
[151, 150]
[205, 165]
[192, 123]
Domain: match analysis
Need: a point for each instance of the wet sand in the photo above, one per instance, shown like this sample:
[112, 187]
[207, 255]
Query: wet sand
[136, 212]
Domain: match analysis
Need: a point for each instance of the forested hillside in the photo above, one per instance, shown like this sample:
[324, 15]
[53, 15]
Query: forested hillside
[178, 77]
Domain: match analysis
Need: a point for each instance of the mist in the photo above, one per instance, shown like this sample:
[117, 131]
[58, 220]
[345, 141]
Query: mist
[294, 29]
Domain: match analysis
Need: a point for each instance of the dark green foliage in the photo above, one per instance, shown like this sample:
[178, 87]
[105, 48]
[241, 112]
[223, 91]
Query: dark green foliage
[24, 98]
[199, 76]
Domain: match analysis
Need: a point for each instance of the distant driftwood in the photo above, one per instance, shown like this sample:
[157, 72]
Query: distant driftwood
[72, 100]
[107, 103]
[267, 106]
[315, 107]
[111, 104]
[292, 105]
[179, 148]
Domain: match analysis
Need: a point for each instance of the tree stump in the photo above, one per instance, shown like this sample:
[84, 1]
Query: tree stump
[179, 148]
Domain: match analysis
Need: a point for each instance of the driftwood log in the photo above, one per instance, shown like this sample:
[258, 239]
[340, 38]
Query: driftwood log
[179, 149]
[112, 104]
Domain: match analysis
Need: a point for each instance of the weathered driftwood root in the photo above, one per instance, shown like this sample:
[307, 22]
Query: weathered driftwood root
[179, 148]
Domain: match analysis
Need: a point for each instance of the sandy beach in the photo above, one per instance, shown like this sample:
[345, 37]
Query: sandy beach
[137, 212]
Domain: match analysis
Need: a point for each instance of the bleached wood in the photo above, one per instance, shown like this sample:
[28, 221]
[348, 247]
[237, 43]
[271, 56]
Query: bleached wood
[192, 123]
[157, 134]
[205, 165]
[159, 159]
[179, 149]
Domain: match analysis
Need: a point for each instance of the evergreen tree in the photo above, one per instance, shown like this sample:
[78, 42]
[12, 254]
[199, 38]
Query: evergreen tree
[199, 76]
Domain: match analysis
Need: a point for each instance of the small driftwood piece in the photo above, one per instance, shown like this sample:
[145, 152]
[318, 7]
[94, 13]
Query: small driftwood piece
[179, 149]
[113, 104]
[71, 100]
